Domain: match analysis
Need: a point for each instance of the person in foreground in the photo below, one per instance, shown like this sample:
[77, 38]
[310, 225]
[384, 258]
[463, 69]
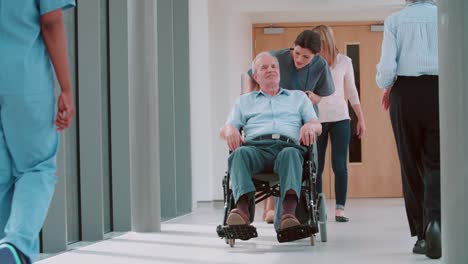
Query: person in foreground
[408, 73]
[32, 36]
[274, 121]
[301, 68]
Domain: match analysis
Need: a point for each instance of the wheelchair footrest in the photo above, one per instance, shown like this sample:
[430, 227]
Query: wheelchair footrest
[242, 232]
[220, 231]
[296, 233]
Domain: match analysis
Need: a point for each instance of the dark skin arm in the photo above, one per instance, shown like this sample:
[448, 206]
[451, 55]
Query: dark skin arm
[53, 32]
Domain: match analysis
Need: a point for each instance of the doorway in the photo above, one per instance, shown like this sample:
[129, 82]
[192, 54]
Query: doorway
[373, 165]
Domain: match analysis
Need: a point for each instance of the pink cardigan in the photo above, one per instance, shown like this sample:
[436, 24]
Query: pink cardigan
[335, 107]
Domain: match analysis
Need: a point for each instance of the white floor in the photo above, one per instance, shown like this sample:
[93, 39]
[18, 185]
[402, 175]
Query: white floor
[377, 234]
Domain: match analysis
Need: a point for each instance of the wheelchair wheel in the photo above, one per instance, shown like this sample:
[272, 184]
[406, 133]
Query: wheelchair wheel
[322, 217]
[232, 242]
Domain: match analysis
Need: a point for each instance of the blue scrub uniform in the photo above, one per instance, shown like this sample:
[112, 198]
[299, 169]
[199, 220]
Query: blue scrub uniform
[28, 137]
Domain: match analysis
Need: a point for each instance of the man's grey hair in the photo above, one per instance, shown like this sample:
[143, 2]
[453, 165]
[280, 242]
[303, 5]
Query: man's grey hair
[259, 56]
[421, 1]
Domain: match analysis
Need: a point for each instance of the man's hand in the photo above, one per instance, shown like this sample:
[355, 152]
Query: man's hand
[308, 133]
[66, 110]
[232, 136]
[386, 98]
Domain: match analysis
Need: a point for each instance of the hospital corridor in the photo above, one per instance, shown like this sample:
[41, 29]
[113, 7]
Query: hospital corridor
[222, 131]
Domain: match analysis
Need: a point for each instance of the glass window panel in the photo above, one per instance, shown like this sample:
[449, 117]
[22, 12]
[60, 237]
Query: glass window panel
[105, 116]
[355, 147]
[68, 156]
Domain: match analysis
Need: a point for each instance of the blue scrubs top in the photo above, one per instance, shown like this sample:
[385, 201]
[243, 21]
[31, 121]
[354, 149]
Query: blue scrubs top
[25, 66]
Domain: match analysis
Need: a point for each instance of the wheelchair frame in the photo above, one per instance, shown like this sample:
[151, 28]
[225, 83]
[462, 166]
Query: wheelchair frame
[314, 206]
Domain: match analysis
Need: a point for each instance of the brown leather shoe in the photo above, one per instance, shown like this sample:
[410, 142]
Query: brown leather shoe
[289, 220]
[237, 217]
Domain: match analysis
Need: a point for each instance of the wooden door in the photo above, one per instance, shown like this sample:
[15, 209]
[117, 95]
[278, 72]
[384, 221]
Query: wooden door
[374, 171]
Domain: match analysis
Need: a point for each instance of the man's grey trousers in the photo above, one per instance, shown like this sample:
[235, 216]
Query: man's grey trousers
[279, 157]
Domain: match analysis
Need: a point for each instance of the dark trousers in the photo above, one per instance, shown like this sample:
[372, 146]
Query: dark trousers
[414, 113]
[339, 133]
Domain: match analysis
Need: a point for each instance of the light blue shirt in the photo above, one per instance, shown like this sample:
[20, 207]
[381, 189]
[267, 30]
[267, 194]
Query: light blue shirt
[24, 62]
[409, 45]
[261, 114]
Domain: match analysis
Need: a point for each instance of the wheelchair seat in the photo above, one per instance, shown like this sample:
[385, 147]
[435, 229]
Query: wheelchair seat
[267, 177]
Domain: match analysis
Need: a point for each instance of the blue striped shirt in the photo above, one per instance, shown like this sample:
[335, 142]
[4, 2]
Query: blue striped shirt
[260, 114]
[409, 45]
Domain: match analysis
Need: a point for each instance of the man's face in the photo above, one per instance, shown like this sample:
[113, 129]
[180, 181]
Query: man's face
[267, 71]
[302, 56]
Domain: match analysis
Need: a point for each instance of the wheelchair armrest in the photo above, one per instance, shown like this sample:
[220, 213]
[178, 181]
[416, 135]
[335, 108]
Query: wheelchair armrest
[309, 155]
[310, 152]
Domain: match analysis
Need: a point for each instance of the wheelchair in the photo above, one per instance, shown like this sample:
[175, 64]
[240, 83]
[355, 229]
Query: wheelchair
[310, 211]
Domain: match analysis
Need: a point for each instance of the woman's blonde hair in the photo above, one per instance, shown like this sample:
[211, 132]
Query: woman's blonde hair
[328, 50]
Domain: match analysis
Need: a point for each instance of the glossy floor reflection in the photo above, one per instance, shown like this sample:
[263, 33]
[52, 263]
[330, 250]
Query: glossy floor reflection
[377, 233]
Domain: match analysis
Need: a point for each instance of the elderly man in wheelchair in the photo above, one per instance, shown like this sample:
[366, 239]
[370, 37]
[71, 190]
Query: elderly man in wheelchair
[275, 123]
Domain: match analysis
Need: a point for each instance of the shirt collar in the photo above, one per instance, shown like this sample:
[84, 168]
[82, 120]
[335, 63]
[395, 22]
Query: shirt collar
[284, 91]
[281, 91]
